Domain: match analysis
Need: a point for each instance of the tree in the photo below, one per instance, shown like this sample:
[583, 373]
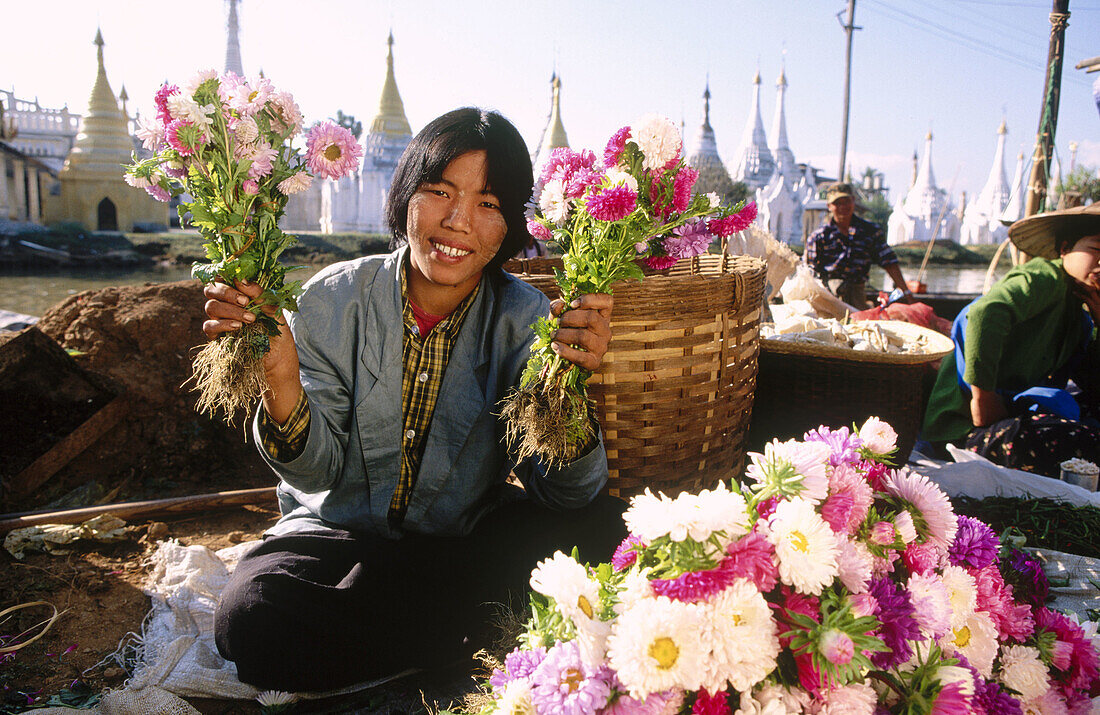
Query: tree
[739, 192]
[877, 209]
[1085, 181]
[349, 122]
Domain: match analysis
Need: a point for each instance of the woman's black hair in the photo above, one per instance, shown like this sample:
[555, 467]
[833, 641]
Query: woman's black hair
[445, 139]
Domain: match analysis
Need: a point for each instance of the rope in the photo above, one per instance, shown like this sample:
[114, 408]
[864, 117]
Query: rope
[48, 624]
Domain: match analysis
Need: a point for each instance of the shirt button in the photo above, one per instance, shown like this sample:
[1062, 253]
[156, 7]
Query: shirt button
[423, 377]
[409, 434]
[416, 330]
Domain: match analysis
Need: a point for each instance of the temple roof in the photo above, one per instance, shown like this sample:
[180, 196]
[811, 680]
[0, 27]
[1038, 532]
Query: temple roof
[391, 118]
[784, 157]
[703, 156]
[994, 196]
[553, 136]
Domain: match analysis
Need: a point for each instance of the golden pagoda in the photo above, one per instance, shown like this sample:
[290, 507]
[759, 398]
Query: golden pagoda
[92, 191]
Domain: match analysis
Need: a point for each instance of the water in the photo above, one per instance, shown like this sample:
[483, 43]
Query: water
[33, 292]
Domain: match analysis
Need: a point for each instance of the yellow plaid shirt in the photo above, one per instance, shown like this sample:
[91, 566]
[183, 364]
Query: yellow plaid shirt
[424, 360]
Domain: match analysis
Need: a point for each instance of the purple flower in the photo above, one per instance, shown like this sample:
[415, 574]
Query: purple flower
[159, 193]
[988, 694]
[691, 239]
[843, 443]
[895, 612]
[1024, 572]
[625, 555]
[517, 664]
[612, 204]
[563, 684]
[975, 544]
[615, 146]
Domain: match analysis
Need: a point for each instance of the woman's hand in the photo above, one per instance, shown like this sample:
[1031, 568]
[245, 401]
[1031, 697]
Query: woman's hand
[587, 326]
[986, 407]
[225, 308]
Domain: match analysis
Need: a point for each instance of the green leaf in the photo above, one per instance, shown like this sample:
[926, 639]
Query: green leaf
[205, 272]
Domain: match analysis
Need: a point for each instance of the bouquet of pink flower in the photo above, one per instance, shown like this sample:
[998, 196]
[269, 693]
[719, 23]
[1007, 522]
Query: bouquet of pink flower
[636, 204]
[824, 583]
[227, 143]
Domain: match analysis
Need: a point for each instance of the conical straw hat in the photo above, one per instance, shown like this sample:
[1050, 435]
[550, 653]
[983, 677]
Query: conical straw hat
[1039, 235]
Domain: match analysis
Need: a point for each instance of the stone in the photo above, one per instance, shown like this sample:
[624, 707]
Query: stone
[157, 530]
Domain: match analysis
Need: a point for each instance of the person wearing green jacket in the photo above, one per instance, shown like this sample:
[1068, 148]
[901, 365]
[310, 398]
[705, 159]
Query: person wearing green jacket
[1003, 391]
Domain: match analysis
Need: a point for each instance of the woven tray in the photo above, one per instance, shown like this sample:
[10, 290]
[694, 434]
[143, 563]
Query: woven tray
[675, 391]
[937, 345]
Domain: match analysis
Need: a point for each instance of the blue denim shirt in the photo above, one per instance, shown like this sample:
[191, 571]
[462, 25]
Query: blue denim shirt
[348, 333]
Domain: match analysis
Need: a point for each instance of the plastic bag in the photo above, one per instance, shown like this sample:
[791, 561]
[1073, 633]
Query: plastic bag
[803, 285]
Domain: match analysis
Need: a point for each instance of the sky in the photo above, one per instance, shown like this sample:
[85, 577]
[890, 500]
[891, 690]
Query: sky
[955, 67]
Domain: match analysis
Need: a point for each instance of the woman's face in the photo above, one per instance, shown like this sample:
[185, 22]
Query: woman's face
[455, 228]
[1082, 262]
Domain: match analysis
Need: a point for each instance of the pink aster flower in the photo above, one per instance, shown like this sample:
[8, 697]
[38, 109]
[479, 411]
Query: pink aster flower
[836, 646]
[734, 223]
[691, 239]
[655, 704]
[752, 557]
[331, 151]
[929, 502]
[953, 699]
[517, 664]
[854, 699]
[615, 146]
[250, 97]
[295, 183]
[564, 162]
[862, 604]
[1013, 621]
[850, 498]
[184, 137]
[563, 683]
[250, 187]
[693, 586]
[612, 204]
[875, 473]
[287, 113]
[855, 564]
[882, 533]
[1083, 672]
[843, 444]
[660, 263]
[580, 181]
[160, 99]
[681, 188]
[626, 553]
[794, 602]
[924, 557]
[262, 158]
[536, 229]
[159, 193]
[931, 603]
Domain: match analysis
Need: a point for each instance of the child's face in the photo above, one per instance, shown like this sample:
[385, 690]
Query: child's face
[1082, 262]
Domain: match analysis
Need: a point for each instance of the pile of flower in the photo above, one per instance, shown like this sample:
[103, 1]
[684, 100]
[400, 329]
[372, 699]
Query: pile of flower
[637, 204]
[227, 143]
[825, 583]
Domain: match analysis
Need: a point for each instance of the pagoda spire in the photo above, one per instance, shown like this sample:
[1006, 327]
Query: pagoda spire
[703, 156]
[784, 157]
[1017, 200]
[995, 194]
[554, 136]
[232, 43]
[924, 188]
[103, 141]
[391, 117]
[755, 164]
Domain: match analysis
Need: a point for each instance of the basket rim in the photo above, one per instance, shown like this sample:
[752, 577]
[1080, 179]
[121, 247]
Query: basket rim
[940, 346]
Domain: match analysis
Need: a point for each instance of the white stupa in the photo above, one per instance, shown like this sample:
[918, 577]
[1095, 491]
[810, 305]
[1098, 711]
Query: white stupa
[754, 164]
[981, 221]
[1017, 200]
[925, 211]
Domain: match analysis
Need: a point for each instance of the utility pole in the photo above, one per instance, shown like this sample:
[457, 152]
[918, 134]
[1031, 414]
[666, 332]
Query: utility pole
[849, 27]
[1048, 114]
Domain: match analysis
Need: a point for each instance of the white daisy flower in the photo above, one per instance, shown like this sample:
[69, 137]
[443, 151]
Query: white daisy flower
[650, 516]
[720, 509]
[656, 646]
[657, 138]
[715, 202]
[805, 546]
[617, 177]
[276, 699]
[516, 699]
[962, 592]
[192, 85]
[1023, 671]
[976, 639]
[743, 638]
[555, 206]
[791, 468]
[561, 578]
[635, 588]
[181, 106]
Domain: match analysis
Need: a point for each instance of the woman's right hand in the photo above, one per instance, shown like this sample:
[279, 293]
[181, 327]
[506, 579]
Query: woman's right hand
[226, 313]
[986, 407]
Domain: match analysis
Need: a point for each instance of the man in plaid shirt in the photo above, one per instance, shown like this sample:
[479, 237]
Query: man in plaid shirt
[841, 252]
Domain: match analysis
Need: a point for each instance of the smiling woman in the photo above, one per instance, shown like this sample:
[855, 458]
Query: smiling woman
[383, 424]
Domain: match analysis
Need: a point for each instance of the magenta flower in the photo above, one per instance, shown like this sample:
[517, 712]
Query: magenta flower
[691, 239]
[539, 231]
[612, 204]
[875, 473]
[626, 553]
[895, 613]
[843, 442]
[707, 704]
[989, 697]
[952, 699]
[331, 151]
[975, 544]
[922, 558]
[729, 225]
[184, 137]
[681, 188]
[160, 99]
[660, 263]
[563, 163]
[693, 586]
[1013, 621]
[751, 557]
[849, 500]
[580, 180]
[1027, 577]
[615, 146]
[1084, 666]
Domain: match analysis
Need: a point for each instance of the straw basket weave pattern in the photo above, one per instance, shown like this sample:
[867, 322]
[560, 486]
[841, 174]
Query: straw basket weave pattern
[674, 394]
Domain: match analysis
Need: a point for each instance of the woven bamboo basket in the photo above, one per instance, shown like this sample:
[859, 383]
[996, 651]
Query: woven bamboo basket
[804, 385]
[675, 391]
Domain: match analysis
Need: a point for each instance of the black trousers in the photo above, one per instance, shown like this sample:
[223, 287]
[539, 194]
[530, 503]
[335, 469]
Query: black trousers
[323, 610]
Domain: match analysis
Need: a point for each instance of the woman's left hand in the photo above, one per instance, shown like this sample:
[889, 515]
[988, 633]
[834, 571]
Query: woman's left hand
[587, 326]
